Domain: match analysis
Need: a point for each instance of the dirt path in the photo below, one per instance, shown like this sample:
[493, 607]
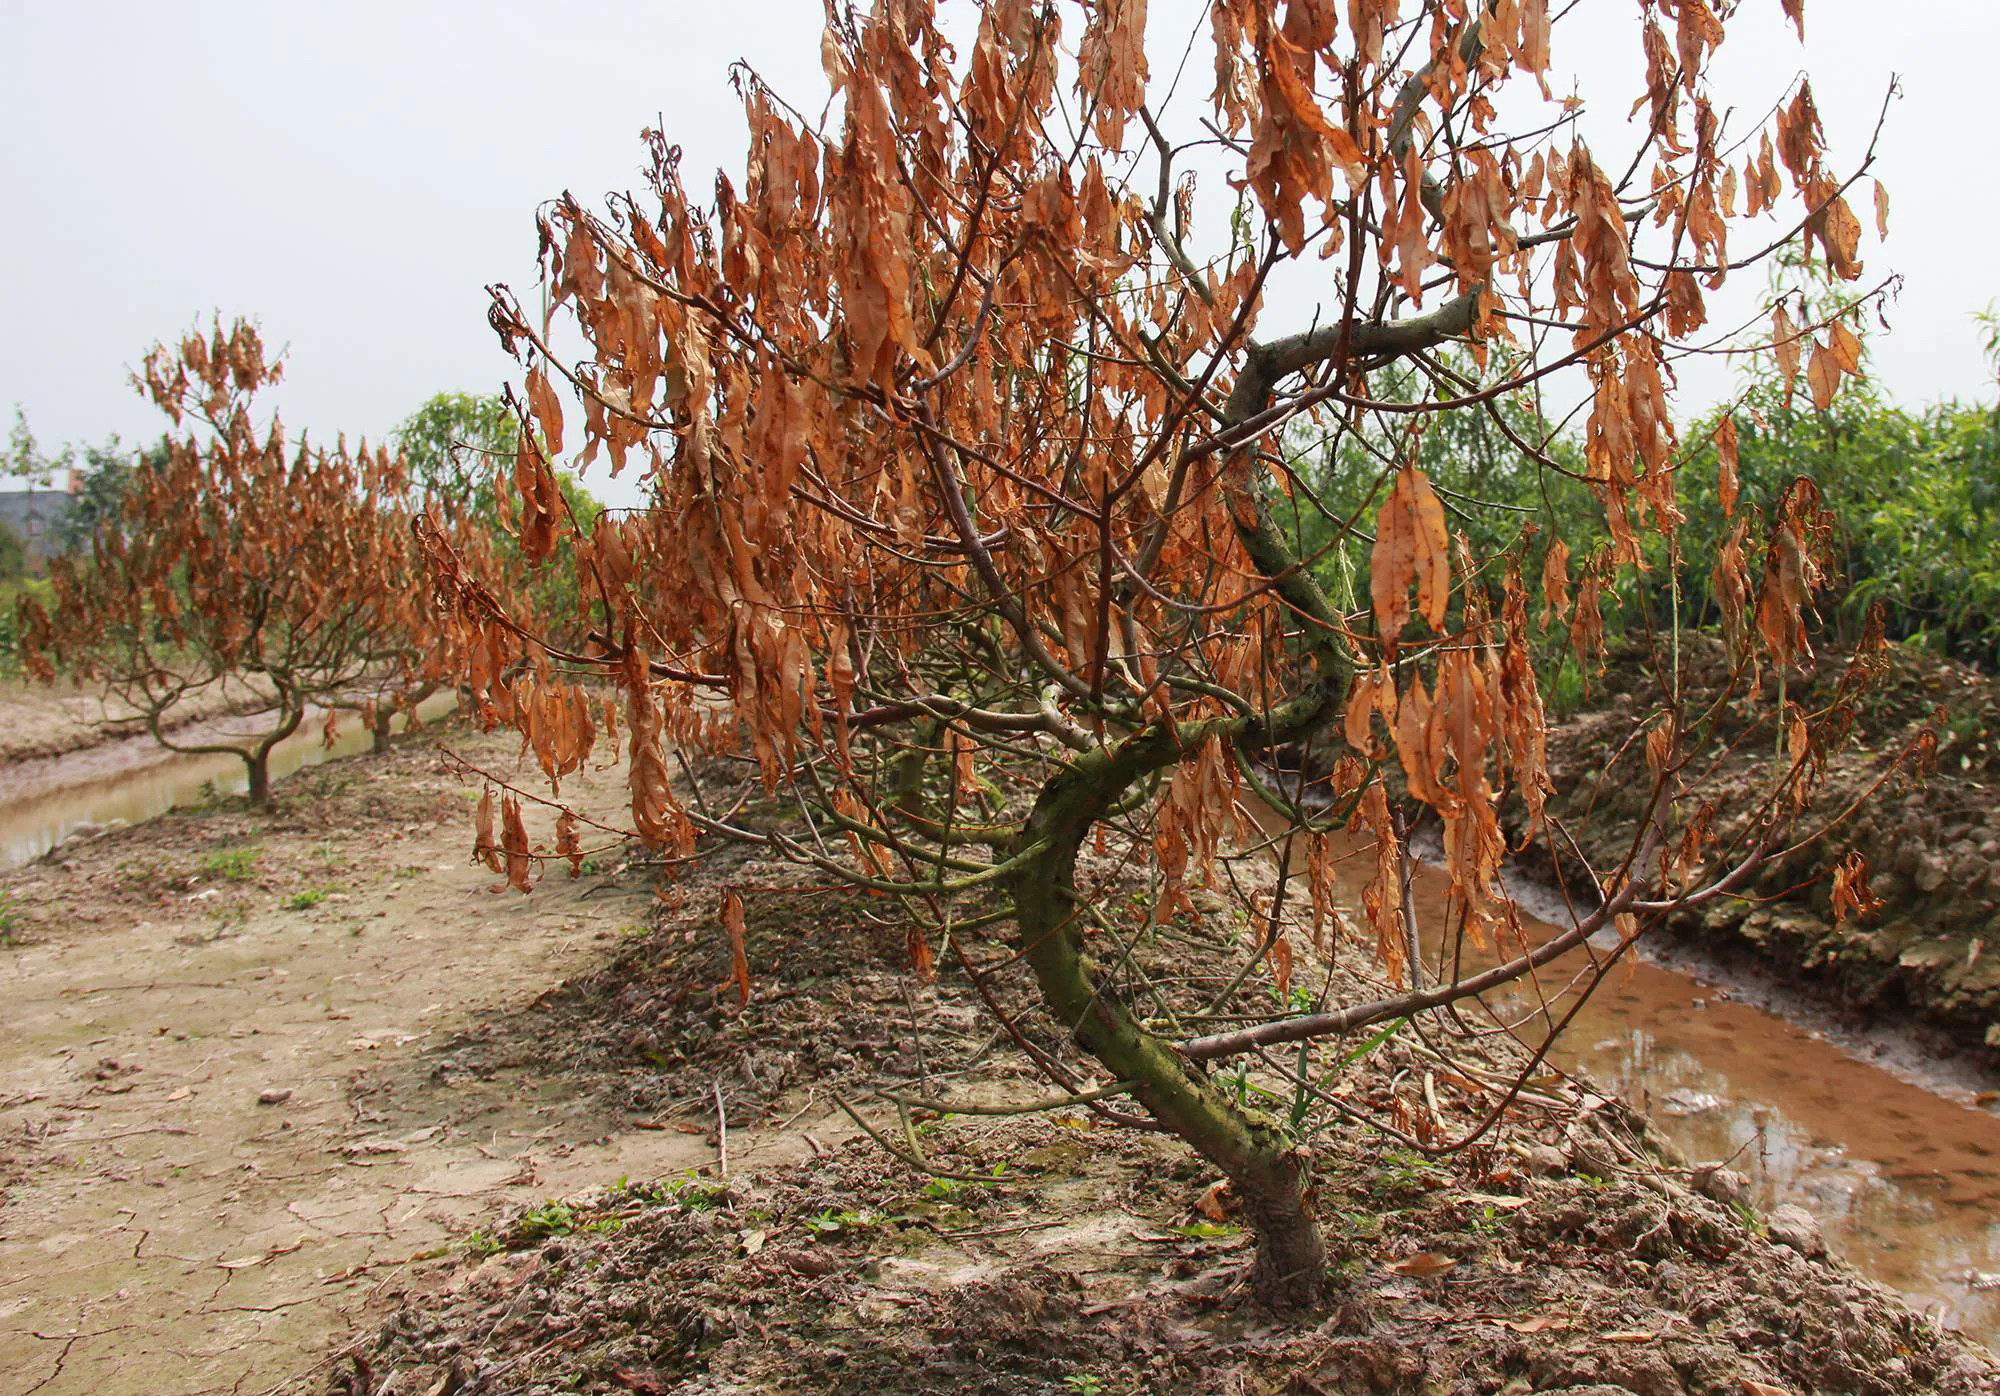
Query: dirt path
[166, 1231]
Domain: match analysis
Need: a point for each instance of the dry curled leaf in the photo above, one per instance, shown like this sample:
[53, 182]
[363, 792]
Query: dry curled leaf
[739, 959]
[1424, 1263]
[568, 844]
[1851, 896]
[1538, 1323]
[485, 841]
[1412, 547]
[1727, 464]
[519, 855]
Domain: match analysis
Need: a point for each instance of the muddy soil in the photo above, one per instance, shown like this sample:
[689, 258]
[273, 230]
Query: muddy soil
[303, 1101]
[1922, 962]
[222, 1121]
[1086, 1263]
[1054, 1252]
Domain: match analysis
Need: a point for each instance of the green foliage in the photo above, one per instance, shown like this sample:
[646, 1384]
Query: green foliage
[1505, 487]
[101, 474]
[456, 441]
[26, 460]
[1916, 492]
[11, 595]
[231, 864]
[13, 555]
[838, 1222]
[306, 900]
[1403, 1176]
[102, 480]
[459, 444]
[460, 447]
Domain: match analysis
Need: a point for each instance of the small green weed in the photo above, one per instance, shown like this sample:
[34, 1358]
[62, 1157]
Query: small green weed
[306, 900]
[231, 864]
[689, 1193]
[839, 1222]
[1402, 1174]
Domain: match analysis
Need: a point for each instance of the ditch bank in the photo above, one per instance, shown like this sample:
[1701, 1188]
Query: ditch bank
[1928, 961]
[38, 721]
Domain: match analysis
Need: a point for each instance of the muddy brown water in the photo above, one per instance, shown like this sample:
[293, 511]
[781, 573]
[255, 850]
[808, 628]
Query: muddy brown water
[44, 800]
[1900, 1162]
[1897, 1158]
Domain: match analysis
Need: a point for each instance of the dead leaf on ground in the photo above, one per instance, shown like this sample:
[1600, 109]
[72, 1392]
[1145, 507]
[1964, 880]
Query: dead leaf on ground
[1538, 1323]
[1424, 1263]
[1211, 1203]
[1634, 1335]
[645, 1383]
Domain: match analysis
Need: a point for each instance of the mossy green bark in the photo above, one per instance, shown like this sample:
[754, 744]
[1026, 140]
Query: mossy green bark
[1261, 1162]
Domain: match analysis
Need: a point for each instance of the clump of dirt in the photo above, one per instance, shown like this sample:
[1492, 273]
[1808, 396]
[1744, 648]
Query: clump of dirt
[1084, 1263]
[1933, 848]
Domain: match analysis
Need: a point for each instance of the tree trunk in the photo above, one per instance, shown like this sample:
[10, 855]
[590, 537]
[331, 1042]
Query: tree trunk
[258, 763]
[258, 758]
[382, 719]
[1250, 1148]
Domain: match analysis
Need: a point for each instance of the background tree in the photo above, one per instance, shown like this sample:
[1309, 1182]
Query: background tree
[277, 573]
[971, 518]
[451, 445]
[102, 474]
[452, 441]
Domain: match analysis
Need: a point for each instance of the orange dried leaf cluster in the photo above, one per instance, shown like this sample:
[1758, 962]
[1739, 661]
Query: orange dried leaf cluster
[959, 435]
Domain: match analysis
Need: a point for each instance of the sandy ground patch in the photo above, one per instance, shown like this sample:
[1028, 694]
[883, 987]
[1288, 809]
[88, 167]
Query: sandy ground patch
[217, 1115]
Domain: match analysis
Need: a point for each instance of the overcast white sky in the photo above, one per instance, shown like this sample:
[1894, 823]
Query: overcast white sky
[354, 174]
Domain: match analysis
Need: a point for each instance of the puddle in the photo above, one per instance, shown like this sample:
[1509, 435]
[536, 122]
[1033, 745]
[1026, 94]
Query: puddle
[1891, 1151]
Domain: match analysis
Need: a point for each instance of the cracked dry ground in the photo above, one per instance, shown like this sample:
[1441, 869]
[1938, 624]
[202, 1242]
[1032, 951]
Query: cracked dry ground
[170, 1223]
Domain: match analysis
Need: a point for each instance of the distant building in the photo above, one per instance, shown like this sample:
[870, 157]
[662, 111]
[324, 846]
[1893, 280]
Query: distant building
[34, 515]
